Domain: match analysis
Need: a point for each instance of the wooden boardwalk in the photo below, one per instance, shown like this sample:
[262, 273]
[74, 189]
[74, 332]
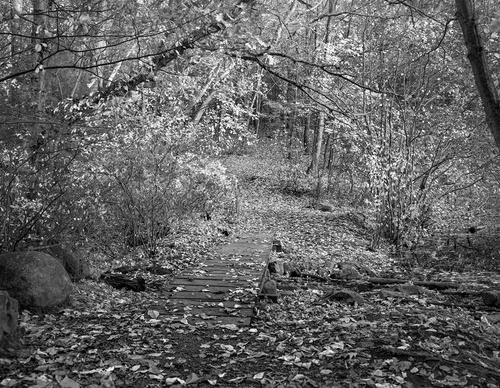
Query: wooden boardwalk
[222, 290]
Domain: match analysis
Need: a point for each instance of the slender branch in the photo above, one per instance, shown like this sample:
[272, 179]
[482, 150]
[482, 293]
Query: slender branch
[325, 68]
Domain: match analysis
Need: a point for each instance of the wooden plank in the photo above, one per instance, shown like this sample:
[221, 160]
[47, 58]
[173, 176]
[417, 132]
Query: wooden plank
[199, 296]
[226, 271]
[205, 296]
[215, 277]
[203, 288]
[250, 261]
[212, 311]
[247, 272]
[213, 282]
[240, 267]
[190, 302]
[178, 321]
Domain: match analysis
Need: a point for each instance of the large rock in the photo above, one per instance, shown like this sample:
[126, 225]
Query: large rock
[35, 279]
[72, 261]
[9, 315]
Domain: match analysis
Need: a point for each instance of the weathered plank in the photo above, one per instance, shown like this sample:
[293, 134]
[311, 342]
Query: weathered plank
[212, 311]
[209, 321]
[221, 290]
[210, 288]
[179, 303]
[212, 282]
[216, 296]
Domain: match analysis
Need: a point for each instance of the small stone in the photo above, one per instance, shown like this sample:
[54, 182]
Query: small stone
[347, 296]
[410, 289]
[491, 298]
[288, 268]
[277, 247]
[390, 294]
[277, 267]
[350, 273]
[270, 290]
[325, 207]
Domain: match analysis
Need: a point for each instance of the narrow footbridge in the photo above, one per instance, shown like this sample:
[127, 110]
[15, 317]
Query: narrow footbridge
[223, 289]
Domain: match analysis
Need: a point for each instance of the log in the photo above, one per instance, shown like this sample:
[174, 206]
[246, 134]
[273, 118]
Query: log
[432, 285]
[120, 281]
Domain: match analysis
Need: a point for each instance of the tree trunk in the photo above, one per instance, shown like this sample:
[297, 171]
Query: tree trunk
[290, 131]
[206, 102]
[220, 123]
[328, 150]
[39, 19]
[16, 9]
[476, 55]
[307, 134]
[313, 167]
[38, 78]
[255, 105]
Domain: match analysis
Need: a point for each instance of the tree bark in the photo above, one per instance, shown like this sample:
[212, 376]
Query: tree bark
[16, 10]
[328, 150]
[308, 142]
[206, 102]
[313, 167]
[476, 55]
[38, 79]
[39, 20]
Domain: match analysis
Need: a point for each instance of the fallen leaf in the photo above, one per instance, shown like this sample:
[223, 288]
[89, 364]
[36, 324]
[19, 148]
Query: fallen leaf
[69, 383]
[8, 382]
[298, 377]
[173, 380]
[192, 378]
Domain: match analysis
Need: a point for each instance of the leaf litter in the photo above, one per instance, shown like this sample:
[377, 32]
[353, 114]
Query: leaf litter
[109, 338]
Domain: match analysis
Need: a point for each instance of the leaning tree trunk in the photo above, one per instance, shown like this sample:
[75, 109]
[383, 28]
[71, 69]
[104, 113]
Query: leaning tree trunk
[476, 55]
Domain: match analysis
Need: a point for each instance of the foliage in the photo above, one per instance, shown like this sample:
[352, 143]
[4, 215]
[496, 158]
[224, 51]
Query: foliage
[36, 190]
[403, 130]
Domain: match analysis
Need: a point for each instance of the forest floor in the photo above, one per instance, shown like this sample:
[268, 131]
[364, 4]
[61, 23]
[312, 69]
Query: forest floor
[109, 338]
